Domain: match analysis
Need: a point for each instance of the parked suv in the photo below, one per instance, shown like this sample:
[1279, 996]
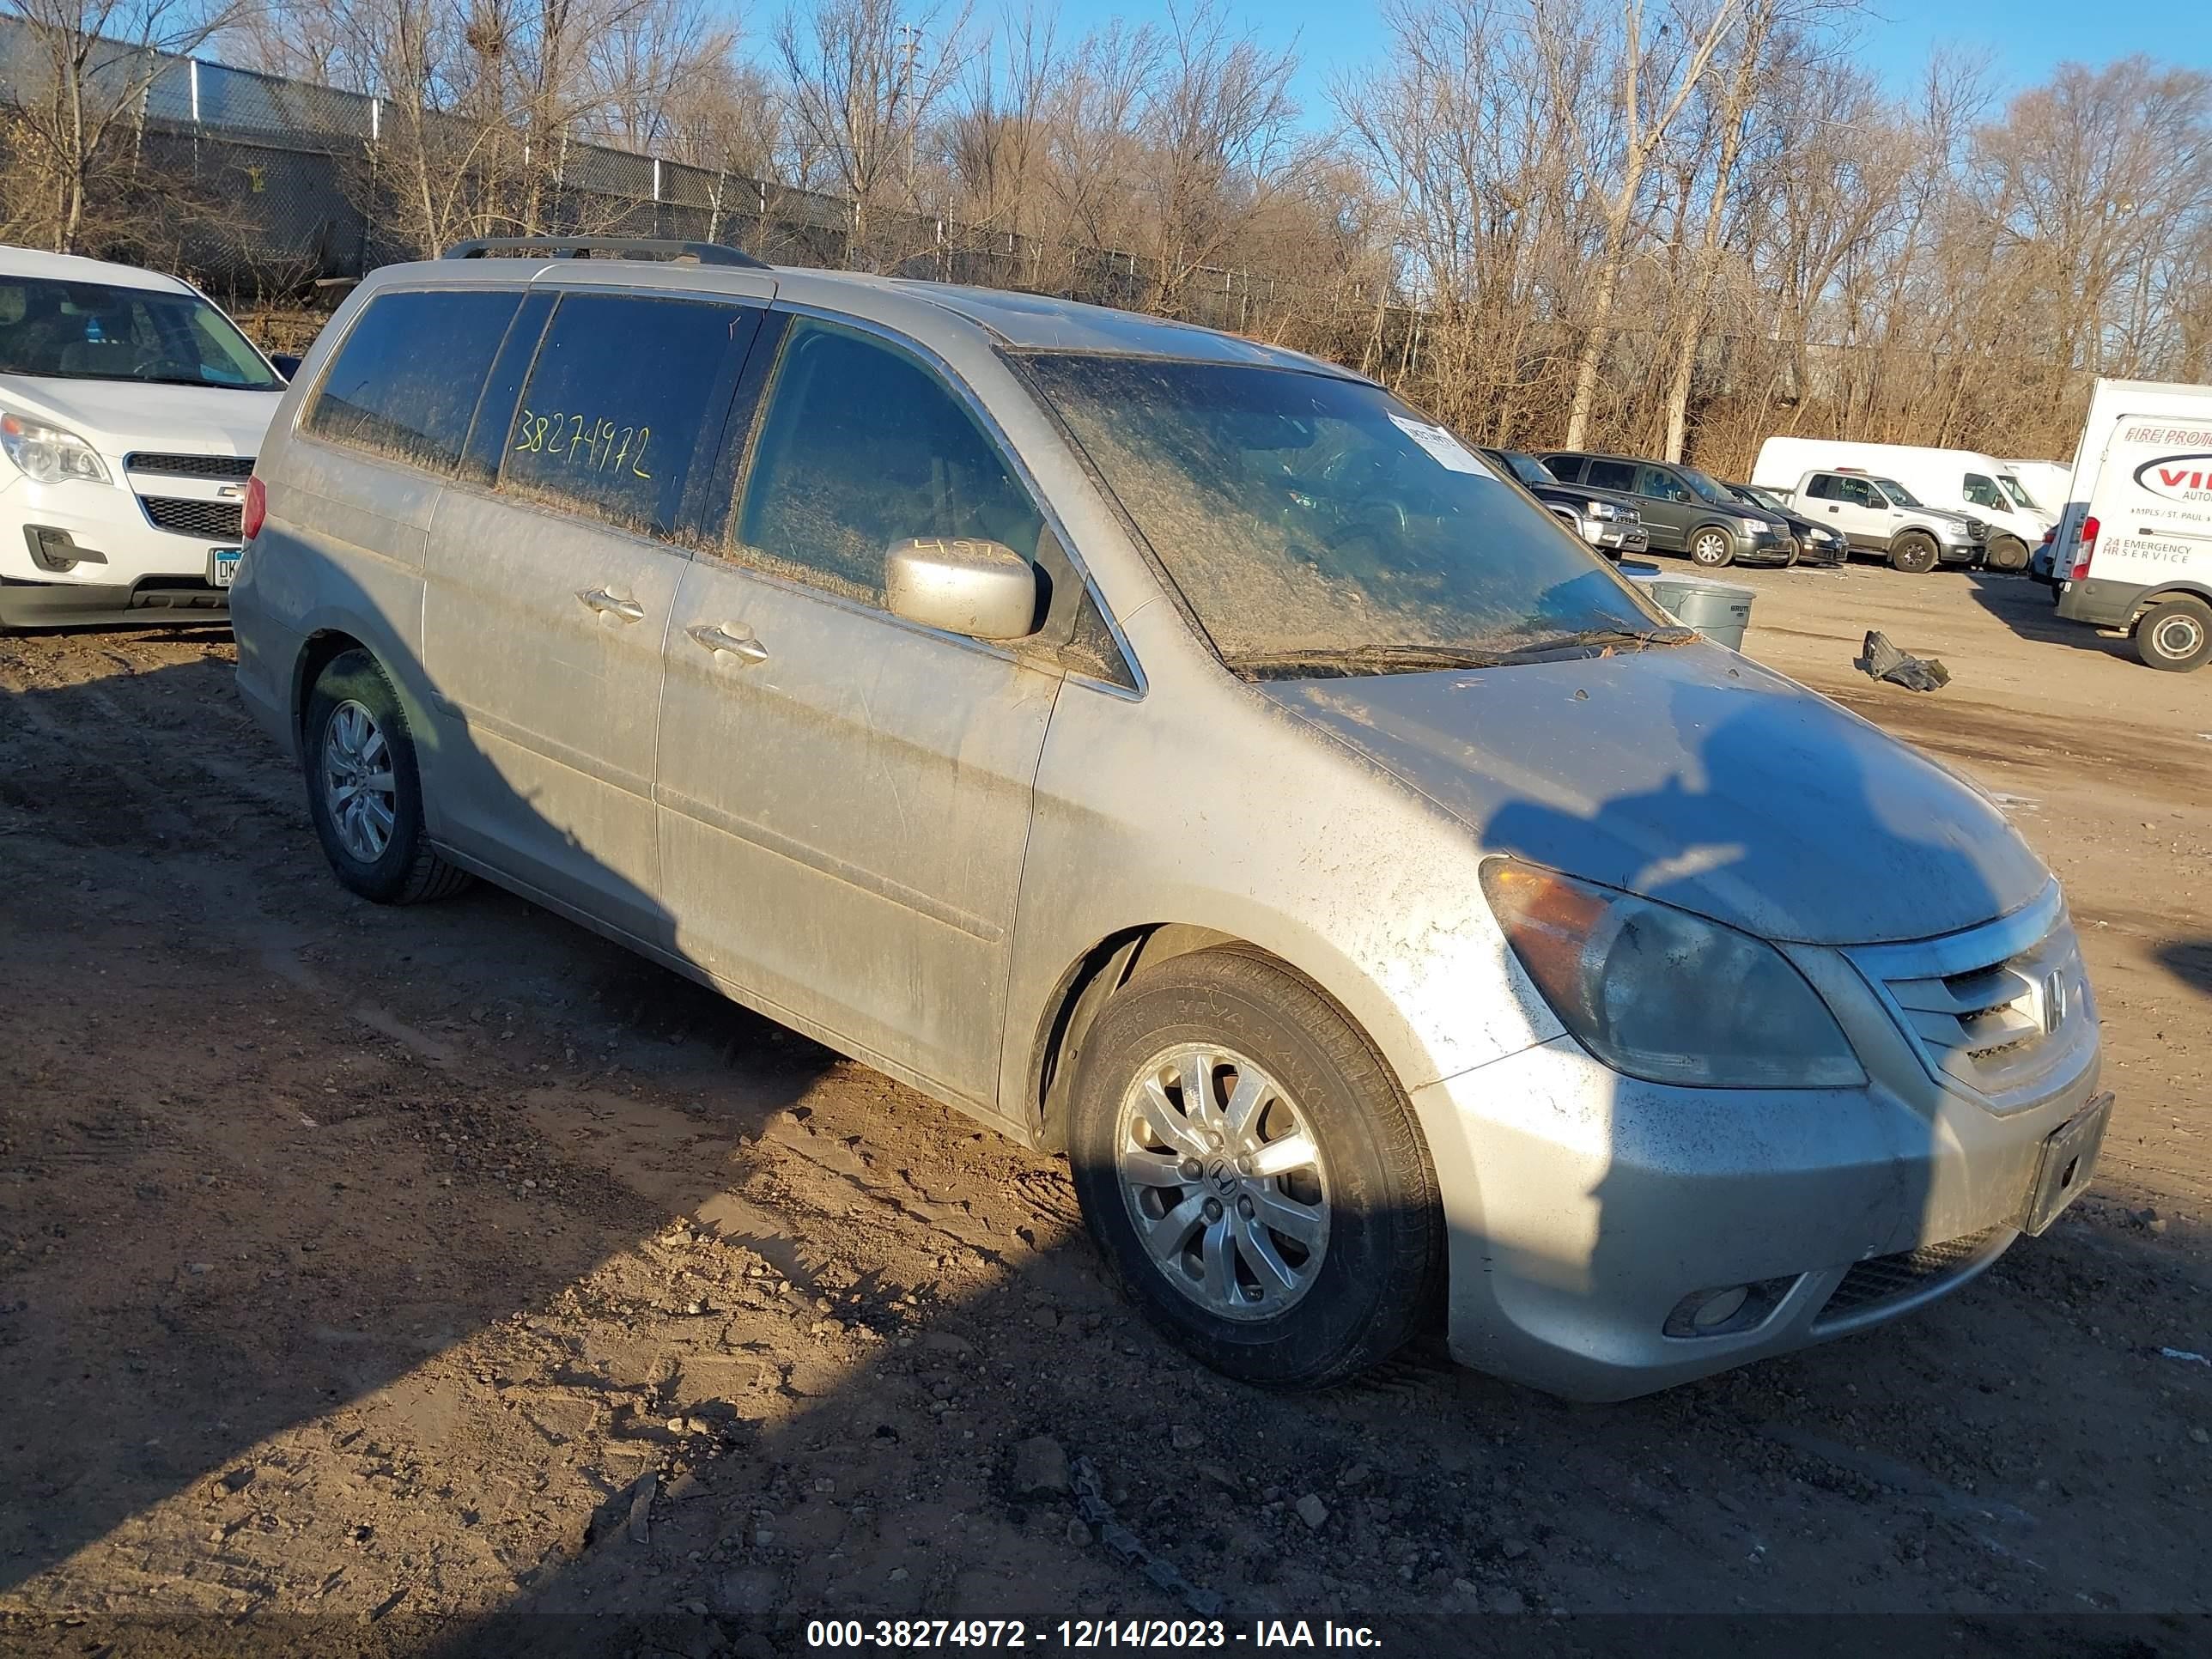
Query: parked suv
[1685, 511]
[131, 412]
[1177, 752]
[1607, 522]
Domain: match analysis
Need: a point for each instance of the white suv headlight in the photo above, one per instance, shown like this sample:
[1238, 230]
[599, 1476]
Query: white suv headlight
[1661, 994]
[50, 455]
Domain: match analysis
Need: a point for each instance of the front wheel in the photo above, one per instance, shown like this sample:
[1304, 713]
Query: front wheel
[1914, 552]
[364, 789]
[1252, 1172]
[2007, 553]
[1713, 549]
[2175, 634]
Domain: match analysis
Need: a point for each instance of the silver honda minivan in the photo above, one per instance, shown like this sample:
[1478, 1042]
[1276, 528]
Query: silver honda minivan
[1183, 755]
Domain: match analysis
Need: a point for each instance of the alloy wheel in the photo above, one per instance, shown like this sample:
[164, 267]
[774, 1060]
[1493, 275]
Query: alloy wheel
[358, 788]
[1225, 1180]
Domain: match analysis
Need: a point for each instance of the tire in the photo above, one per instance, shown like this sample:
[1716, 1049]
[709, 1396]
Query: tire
[1366, 1242]
[1915, 553]
[1711, 548]
[2006, 553]
[2175, 634]
[355, 734]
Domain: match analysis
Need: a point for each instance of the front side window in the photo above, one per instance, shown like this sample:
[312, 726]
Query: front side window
[74, 330]
[1316, 524]
[1526, 468]
[862, 446]
[1982, 491]
[625, 394]
[1659, 481]
[1859, 493]
[1896, 492]
[405, 382]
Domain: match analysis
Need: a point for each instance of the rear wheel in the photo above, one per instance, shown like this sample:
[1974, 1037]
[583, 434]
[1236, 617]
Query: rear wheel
[2007, 553]
[1711, 548]
[2175, 634]
[364, 790]
[1252, 1172]
[1914, 552]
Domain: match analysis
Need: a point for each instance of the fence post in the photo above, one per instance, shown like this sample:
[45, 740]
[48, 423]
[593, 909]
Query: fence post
[192, 77]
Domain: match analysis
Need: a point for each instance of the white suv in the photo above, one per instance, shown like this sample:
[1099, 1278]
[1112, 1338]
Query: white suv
[131, 412]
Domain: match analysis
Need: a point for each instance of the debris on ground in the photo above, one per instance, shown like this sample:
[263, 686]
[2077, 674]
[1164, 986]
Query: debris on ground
[1881, 660]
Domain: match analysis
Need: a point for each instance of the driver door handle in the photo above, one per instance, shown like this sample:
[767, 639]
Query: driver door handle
[737, 640]
[598, 599]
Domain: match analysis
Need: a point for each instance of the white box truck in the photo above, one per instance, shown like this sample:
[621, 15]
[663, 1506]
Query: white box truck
[2135, 550]
[1955, 480]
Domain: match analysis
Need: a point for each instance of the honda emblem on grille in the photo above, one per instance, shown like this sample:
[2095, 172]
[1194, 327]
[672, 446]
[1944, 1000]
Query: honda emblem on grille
[2054, 1000]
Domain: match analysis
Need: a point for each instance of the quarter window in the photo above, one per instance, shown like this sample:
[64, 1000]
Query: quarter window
[862, 447]
[405, 382]
[625, 395]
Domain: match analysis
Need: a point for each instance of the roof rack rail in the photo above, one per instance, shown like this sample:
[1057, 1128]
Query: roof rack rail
[623, 247]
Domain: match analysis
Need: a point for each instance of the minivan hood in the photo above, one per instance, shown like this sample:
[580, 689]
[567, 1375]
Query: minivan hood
[117, 416]
[1689, 775]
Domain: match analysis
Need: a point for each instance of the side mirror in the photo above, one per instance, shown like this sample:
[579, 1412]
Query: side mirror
[288, 366]
[982, 589]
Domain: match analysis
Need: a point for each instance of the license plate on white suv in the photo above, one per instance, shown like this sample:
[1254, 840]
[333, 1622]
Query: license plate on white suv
[222, 565]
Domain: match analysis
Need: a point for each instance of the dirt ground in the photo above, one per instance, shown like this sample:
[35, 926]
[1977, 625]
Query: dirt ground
[446, 1281]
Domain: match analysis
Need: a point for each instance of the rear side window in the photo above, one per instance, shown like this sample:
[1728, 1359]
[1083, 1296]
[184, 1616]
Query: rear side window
[1611, 475]
[625, 402]
[405, 382]
[1823, 489]
[862, 447]
[1567, 468]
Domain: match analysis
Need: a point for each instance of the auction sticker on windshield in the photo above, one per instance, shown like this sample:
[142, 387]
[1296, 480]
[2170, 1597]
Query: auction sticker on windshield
[1448, 450]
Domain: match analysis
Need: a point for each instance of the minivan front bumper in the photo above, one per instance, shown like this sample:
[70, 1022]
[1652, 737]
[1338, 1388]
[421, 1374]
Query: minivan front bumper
[1591, 1217]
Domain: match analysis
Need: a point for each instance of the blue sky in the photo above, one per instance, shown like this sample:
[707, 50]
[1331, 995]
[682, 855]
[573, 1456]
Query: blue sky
[2026, 39]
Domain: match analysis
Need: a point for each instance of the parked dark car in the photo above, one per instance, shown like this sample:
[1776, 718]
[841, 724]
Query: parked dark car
[1607, 520]
[1816, 542]
[1684, 511]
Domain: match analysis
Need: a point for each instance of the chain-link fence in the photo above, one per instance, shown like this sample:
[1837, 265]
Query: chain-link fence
[264, 186]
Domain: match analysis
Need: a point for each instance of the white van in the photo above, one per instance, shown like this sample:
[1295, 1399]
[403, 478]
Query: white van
[2137, 537]
[2046, 482]
[1957, 480]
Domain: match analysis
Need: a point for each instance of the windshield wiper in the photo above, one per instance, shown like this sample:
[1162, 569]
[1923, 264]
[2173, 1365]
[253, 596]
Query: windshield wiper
[1361, 660]
[1597, 641]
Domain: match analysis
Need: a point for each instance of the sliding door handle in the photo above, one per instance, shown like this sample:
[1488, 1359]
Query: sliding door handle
[598, 599]
[738, 641]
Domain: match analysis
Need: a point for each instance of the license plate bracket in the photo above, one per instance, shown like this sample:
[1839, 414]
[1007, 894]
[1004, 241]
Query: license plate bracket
[222, 565]
[2068, 1159]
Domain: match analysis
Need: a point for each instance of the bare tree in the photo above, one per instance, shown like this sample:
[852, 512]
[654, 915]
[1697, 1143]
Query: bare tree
[86, 75]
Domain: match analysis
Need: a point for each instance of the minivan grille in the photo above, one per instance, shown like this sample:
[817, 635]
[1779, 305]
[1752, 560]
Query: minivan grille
[2002, 1019]
[1892, 1277]
[215, 520]
[190, 466]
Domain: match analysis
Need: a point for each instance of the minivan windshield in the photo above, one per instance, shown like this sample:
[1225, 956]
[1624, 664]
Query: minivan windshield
[1317, 526]
[1710, 489]
[75, 331]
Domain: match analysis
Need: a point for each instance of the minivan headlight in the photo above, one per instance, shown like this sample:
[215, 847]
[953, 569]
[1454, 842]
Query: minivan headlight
[1663, 995]
[50, 455]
